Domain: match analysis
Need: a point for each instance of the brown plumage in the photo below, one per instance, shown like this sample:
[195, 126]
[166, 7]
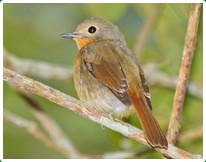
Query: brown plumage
[109, 77]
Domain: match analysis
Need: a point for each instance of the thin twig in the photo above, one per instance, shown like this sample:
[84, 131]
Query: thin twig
[189, 48]
[142, 37]
[79, 107]
[157, 77]
[190, 135]
[34, 130]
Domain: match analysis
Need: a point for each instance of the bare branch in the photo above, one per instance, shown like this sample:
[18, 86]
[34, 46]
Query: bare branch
[189, 48]
[34, 130]
[190, 135]
[51, 71]
[57, 135]
[142, 37]
[53, 129]
[156, 77]
[37, 68]
[79, 107]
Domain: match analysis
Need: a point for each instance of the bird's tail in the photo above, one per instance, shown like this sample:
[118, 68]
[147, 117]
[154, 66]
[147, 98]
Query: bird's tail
[154, 134]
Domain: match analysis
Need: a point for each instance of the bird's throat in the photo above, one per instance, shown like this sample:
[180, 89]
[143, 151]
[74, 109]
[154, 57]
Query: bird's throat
[81, 42]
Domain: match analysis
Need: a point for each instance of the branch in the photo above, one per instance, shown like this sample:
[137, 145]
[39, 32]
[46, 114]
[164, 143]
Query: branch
[156, 77]
[191, 134]
[34, 130]
[189, 48]
[57, 135]
[80, 108]
[37, 68]
[54, 71]
[142, 37]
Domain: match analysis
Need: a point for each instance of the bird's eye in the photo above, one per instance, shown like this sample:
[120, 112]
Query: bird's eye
[92, 29]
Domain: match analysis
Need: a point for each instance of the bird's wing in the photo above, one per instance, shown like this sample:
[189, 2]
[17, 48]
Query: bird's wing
[104, 65]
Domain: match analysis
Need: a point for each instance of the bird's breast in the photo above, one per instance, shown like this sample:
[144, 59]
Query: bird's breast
[94, 93]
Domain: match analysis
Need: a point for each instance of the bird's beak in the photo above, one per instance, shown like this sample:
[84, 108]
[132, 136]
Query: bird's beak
[70, 35]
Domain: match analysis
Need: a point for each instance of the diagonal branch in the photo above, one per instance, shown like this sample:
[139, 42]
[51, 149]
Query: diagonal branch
[49, 124]
[144, 33]
[189, 48]
[54, 71]
[34, 130]
[38, 68]
[80, 108]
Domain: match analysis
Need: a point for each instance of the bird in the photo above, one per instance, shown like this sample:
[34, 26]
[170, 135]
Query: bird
[109, 78]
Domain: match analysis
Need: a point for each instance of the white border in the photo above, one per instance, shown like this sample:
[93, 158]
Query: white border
[100, 1]
[1, 76]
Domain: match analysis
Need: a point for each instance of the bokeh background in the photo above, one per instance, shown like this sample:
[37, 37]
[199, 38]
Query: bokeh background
[32, 31]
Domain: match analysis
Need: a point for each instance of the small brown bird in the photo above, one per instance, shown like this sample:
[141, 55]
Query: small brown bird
[109, 77]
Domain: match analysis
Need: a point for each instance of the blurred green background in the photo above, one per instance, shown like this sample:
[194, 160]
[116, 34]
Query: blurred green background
[33, 31]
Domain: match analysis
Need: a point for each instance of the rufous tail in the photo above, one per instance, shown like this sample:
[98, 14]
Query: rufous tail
[154, 134]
